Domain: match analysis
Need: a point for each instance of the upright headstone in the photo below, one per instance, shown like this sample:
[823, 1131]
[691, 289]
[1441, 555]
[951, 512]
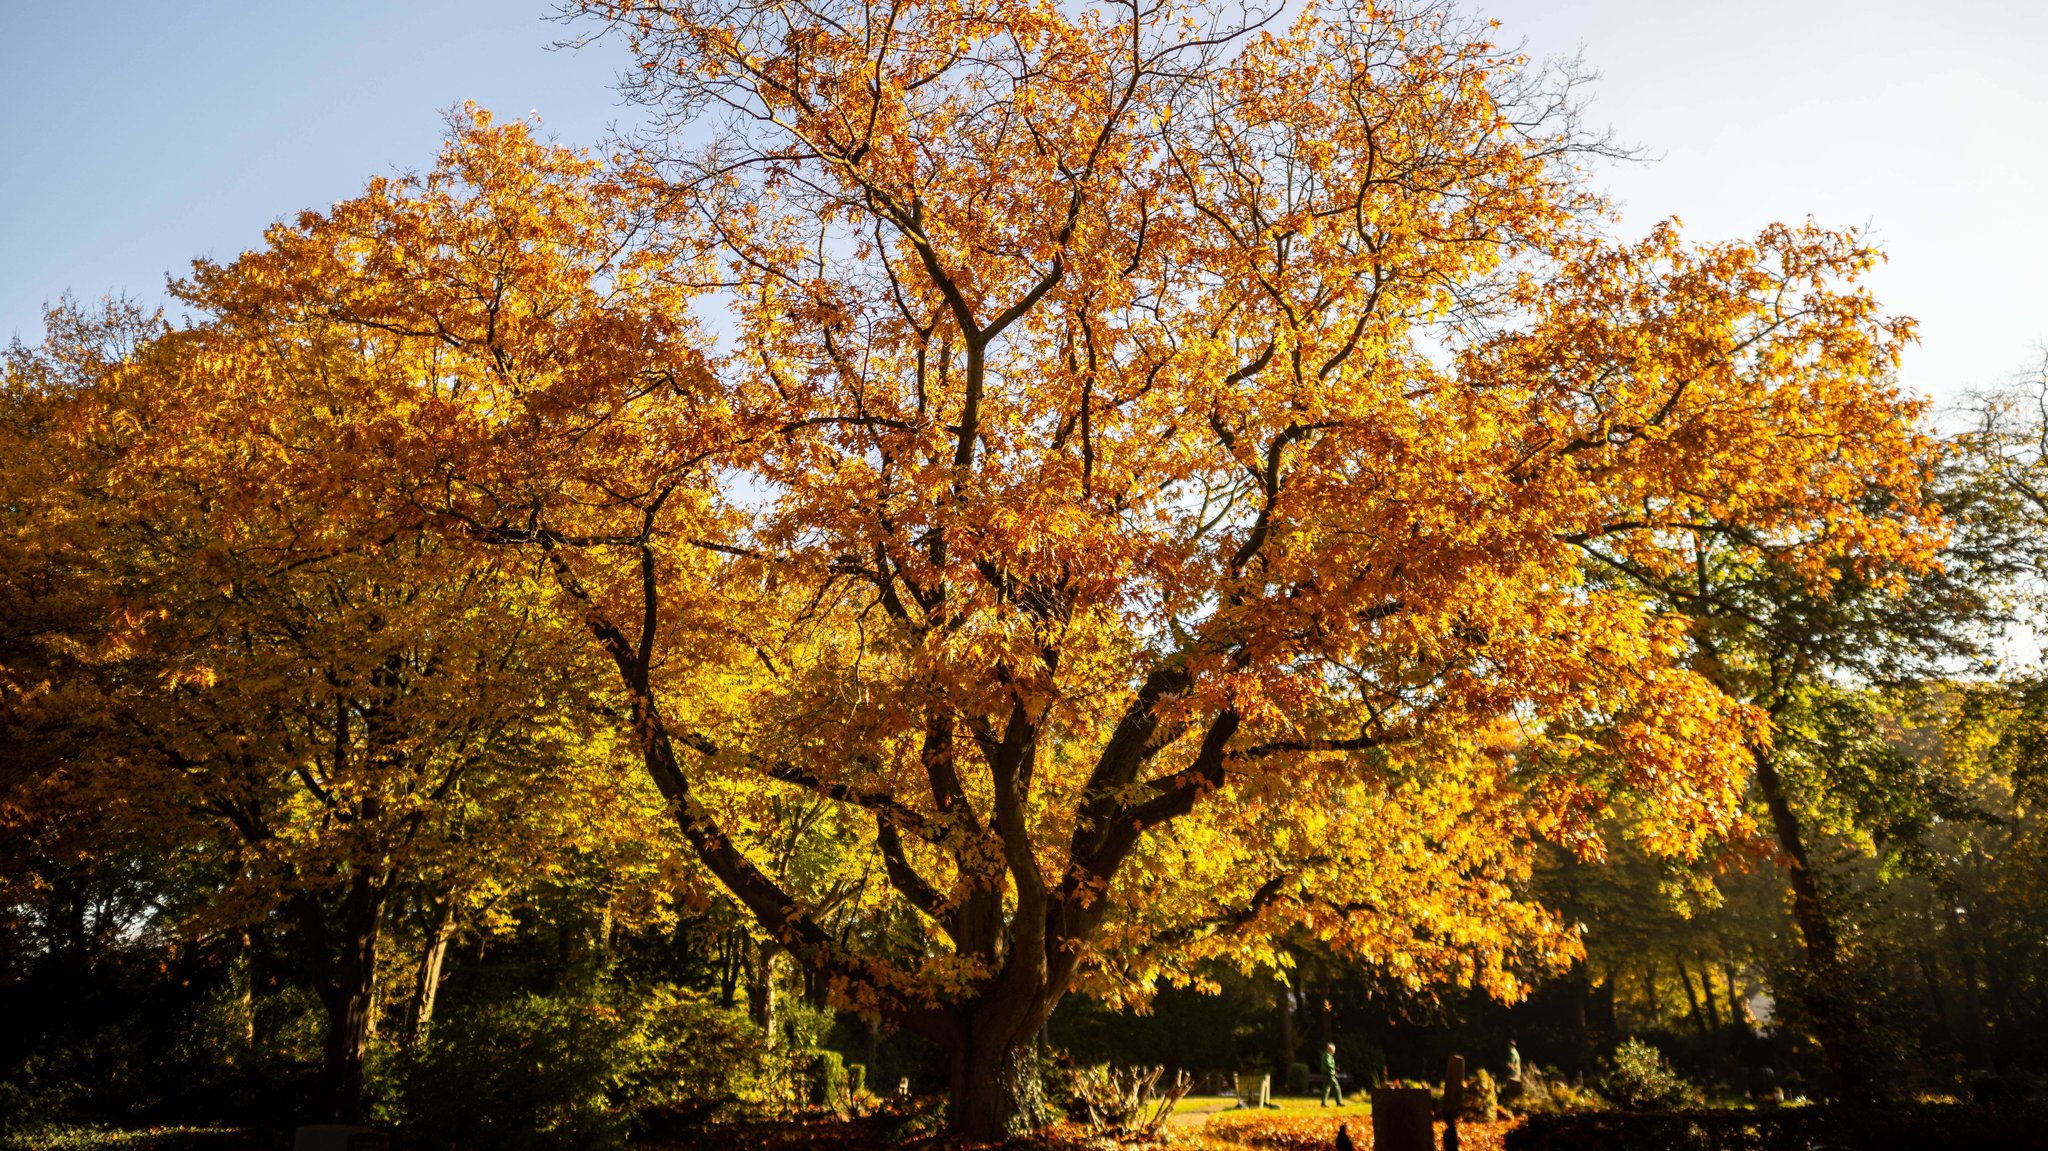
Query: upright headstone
[1454, 1099]
[1254, 1090]
[1400, 1119]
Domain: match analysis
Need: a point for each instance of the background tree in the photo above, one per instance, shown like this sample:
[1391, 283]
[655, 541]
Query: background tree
[316, 720]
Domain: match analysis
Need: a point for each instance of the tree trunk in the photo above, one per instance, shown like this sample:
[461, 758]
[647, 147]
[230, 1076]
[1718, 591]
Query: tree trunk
[1325, 1033]
[343, 959]
[731, 962]
[245, 990]
[1707, 998]
[1834, 1022]
[1937, 996]
[995, 1088]
[761, 989]
[1692, 1003]
[1973, 1001]
[1284, 997]
[427, 985]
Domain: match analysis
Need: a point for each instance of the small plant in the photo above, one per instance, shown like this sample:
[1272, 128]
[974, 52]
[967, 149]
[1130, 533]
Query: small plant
[1543, 1094]
[1640, 1080]
[1124, 1098]
[1482, 1098]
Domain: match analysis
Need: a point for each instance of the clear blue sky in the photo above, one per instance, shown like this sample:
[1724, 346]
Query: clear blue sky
[139, 135]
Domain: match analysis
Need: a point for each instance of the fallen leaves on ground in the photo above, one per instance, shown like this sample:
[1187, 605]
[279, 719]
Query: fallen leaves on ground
[1306, 1132]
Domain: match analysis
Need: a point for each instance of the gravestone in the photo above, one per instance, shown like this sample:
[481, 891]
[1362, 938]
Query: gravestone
[1254, 1090]
[1454, 1099]
[1400, 1119]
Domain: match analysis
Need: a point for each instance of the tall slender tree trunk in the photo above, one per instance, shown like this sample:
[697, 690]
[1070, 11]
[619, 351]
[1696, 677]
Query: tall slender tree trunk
[761, 989]
[433, 957]
[1973, 1000]
[1283, 997]
[1735, 1015]
[1937, 995]
[1707, 998]
[245, 990]
[1325, 1033]
[1692, 1003]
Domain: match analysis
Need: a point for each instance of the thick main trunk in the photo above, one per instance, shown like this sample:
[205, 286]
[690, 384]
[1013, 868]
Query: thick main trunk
[348, 1040]
[343, 959]
[995, 1090]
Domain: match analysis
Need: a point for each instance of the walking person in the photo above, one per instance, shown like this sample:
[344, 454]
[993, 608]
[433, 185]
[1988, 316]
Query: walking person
[1330, 1085]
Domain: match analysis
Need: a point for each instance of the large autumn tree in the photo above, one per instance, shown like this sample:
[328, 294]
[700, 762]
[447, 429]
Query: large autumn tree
[1134, 462]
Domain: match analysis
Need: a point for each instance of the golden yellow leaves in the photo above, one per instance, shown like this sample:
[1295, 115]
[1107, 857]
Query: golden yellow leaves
[1098, 441]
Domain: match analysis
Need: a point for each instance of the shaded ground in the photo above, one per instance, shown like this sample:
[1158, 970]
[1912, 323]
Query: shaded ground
[1209, 1123]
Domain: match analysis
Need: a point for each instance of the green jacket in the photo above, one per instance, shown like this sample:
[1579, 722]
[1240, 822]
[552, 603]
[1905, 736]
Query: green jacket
[1330, 1063]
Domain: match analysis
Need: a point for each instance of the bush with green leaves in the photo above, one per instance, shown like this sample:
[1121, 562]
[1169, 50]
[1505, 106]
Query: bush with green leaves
[1638, 1079]
[856, 1082]
[827, 1079]
[1482, 1097]
[578, 1072]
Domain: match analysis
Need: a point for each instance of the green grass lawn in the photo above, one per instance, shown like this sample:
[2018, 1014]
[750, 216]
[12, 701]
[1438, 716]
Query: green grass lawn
[1354, 1104]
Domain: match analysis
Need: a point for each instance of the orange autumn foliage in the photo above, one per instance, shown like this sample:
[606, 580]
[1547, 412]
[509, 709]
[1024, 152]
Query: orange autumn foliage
[1133, 467]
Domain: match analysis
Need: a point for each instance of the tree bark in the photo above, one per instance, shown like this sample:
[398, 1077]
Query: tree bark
[427, 985]
[995, 1088]
[1284, 998]
[761, 989]
[1827, 1002]
[1937, 996]
[1707, 998]
[245, 990]
[1692, 1002]
[1325, 1033]
[343, 960]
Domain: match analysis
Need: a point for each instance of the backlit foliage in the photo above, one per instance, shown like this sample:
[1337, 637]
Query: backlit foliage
[1131, 465]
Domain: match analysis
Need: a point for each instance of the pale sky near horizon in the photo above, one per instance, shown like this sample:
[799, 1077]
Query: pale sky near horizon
[141, 135]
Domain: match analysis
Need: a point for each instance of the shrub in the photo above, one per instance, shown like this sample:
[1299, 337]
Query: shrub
[1112, 1097]
[1542, 1094]
[1482, 1098]
[1640, 1080]
[576, 1072]
[827, 1079]
[1297, 1079]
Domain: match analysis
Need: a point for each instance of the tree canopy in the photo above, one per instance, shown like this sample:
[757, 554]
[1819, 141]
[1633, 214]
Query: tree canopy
[1140, 469]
